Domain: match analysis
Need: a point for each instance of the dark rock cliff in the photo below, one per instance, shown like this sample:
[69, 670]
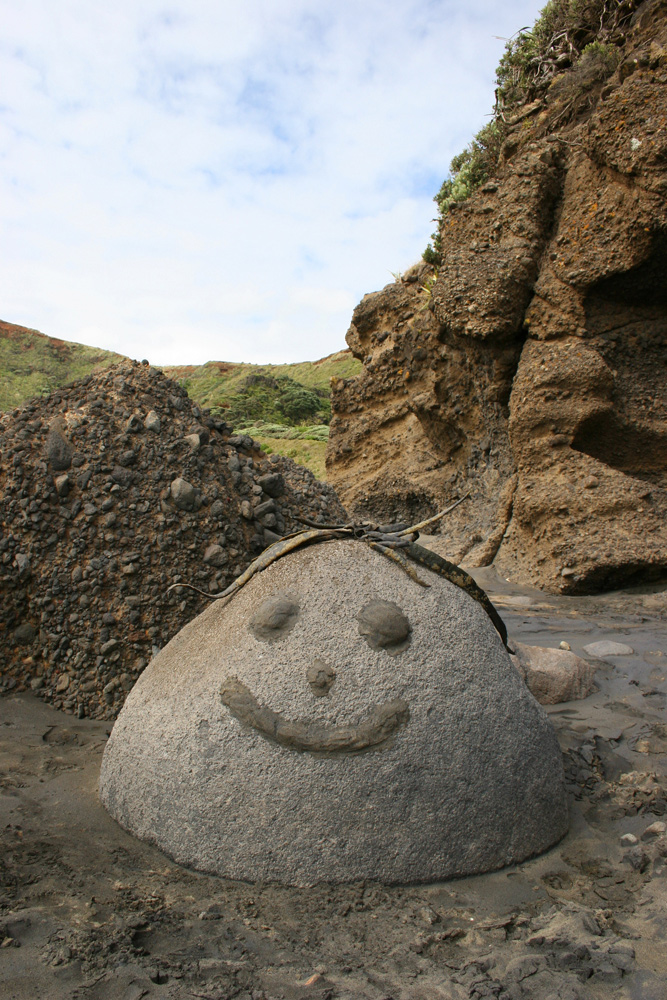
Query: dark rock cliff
[530, 369]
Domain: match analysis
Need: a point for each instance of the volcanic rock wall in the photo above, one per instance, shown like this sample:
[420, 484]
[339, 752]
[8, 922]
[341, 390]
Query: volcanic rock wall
[112, 489]
[530, 370]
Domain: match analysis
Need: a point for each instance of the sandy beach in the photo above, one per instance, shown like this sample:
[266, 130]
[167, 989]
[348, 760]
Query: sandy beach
[87, 911]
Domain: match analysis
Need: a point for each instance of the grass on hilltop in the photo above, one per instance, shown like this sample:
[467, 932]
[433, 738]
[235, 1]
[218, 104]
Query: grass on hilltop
[32, 364]
[285, 407]
[219, 383]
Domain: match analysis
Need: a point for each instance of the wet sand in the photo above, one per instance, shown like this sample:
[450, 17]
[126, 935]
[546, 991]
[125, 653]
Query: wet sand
[86, 911]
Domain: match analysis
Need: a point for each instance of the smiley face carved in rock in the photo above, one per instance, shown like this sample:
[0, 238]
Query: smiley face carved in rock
[384, 627]
[296, 777]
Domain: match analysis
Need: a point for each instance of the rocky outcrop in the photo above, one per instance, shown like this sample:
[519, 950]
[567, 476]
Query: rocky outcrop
[111, 490]
[529, 371]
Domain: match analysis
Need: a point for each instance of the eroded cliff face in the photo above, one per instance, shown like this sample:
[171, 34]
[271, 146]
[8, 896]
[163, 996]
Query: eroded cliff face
[531, 370]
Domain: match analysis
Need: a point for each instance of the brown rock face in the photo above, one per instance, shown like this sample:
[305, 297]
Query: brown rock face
[530, 371]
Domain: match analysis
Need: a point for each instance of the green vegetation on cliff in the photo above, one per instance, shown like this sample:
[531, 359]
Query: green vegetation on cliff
[572, 45]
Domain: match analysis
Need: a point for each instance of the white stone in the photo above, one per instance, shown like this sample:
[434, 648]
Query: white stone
[554, 675]
[605, 647]
[466, 778]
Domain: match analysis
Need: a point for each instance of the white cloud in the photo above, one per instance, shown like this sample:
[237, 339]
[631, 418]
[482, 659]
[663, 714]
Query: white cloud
[218, 181]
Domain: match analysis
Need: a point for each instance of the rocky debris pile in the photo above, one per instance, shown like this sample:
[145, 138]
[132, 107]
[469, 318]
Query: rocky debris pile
[112, 489]
[528, 370]
[639, 792]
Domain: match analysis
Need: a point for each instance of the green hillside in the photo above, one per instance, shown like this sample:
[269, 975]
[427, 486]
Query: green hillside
[285, 407]
[280, 394]
[32, 364]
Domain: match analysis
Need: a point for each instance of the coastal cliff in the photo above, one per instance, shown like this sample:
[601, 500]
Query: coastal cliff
[526, 365]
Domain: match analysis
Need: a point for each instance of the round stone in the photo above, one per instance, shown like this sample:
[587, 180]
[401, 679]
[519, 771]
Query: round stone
[241, 756]
[384, 626]
[25, 634]
[274, 617]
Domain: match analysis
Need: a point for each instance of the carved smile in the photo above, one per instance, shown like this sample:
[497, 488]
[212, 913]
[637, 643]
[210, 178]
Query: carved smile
[315, 737]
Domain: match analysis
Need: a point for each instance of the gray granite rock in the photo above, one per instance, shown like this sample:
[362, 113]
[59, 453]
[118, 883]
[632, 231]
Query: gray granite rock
[215, 555]
[152, 422]
[428, 764]
[183, 494]
[273, 484]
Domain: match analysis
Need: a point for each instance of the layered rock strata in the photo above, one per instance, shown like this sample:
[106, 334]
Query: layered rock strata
[530, 370]
[112, 489]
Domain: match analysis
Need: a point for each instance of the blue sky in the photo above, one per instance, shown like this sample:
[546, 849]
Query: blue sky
[218, 181]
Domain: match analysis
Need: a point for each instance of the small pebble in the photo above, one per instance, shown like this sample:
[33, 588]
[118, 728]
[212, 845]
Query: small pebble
[564, 645]
[654, 830]
[629, 840]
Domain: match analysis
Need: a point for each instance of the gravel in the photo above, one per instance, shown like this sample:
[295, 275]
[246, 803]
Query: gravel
[106, 500]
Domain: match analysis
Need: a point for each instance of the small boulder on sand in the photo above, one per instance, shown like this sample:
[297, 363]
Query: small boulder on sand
[554, 675]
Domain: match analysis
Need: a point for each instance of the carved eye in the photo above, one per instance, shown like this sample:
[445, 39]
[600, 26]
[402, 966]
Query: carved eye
[274, 617]
[384, 626]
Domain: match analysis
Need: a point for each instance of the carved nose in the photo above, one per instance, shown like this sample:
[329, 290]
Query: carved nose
[320, 677]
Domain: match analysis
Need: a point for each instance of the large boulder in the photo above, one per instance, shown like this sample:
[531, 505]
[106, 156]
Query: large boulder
[336, 721]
